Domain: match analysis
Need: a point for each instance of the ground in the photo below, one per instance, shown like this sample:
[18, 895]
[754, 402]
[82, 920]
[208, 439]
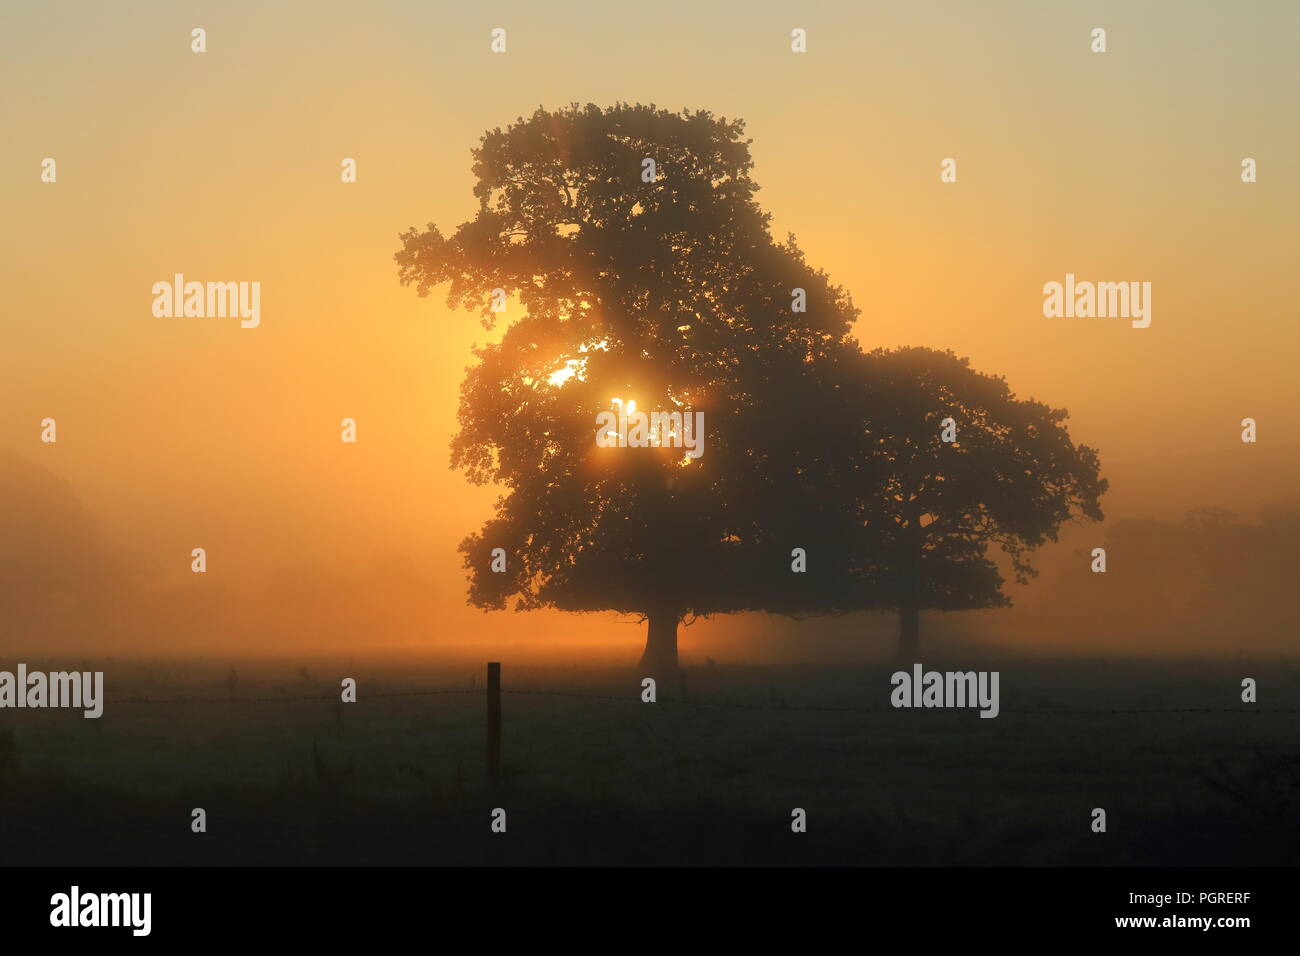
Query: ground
[610, 779]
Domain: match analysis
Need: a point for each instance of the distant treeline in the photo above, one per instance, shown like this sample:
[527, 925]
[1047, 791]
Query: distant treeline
[1210, 578]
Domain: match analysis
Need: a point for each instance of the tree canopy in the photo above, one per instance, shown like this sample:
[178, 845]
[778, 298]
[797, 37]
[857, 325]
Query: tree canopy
[644, 273]
[670, 293]
[937, 510]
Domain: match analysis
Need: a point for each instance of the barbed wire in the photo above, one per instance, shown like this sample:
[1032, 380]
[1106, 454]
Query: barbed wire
[286, 699]
[715, 704]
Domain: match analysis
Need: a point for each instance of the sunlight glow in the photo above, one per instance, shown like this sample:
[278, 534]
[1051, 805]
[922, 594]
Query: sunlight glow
[560, 376]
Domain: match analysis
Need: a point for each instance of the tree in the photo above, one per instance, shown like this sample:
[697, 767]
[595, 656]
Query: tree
[59, 575]
[1204, 579]
[930, 511]
[655, 284]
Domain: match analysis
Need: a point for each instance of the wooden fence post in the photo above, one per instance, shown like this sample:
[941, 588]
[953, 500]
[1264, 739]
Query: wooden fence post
[494, 724]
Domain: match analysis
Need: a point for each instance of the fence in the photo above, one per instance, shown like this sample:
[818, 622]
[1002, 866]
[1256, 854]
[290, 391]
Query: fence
[494, 691]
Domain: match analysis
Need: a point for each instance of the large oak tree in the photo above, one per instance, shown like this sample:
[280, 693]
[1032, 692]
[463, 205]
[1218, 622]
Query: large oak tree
[665, 289]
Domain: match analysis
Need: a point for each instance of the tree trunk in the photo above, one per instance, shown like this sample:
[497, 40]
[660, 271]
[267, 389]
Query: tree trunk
[660, 657]
[909, 605]
[909, 634]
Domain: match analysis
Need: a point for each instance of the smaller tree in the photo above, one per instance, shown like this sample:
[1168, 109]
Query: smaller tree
[932, 510]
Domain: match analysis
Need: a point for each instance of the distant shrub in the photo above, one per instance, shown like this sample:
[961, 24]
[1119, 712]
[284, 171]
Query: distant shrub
[1267, 786]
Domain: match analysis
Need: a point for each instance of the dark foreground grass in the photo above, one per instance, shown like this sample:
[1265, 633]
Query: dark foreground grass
[51, 822]
[708, 781]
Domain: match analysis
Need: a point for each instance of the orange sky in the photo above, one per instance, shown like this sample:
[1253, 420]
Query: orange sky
[177, 433]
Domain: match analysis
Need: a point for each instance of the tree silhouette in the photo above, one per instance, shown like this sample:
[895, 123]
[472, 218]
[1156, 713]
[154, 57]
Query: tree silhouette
[1209, 575]
[663, 289]
[931, 510]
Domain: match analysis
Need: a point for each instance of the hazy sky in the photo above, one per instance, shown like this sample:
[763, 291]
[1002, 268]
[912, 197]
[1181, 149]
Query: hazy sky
[179, 433]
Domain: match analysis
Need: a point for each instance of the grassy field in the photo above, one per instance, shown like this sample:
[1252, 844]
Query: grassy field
[709, 779]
